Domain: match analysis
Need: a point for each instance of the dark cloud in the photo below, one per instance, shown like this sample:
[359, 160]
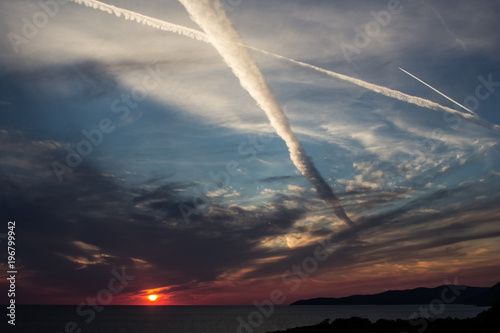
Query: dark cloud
[119, 223]
[280, 179]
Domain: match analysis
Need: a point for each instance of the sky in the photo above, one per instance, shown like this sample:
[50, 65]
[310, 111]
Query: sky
[133, 151]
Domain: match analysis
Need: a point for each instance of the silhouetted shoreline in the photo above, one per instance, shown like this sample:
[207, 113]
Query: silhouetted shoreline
[485, 322]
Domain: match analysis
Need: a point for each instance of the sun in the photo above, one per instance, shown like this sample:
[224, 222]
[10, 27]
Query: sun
[152, 298]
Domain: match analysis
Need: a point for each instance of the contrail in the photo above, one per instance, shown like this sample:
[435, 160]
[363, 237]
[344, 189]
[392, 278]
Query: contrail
[422, 102]
[198, 35]
[458, 40]
[391, 93]
[211, 17]
[143, 19]
[428, 85]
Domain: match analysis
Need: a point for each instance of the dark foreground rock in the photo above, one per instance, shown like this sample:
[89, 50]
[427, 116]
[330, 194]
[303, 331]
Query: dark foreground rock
[485, 322]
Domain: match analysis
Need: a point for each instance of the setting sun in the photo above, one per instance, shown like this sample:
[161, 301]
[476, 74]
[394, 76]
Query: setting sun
[152, 297]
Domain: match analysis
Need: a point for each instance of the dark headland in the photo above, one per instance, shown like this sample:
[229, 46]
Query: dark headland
[457, 294]
[485, 322]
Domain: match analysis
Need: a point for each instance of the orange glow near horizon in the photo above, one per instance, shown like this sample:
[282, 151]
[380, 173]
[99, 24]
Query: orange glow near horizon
[152, 298]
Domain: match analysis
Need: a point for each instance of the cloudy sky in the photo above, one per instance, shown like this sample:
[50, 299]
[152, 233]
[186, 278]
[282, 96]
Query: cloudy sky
[127, 147]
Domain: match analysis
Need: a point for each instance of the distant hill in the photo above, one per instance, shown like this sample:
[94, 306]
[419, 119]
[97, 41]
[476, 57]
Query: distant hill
[485, 296]
[488, 298]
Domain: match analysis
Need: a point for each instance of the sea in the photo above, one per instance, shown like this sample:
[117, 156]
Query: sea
[210, 319]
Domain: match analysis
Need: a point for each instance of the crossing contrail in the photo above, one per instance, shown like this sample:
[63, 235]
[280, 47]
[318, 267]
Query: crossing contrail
[422, 102]
[220, 33]
[428, 85]
[211, 17]
[201, 36]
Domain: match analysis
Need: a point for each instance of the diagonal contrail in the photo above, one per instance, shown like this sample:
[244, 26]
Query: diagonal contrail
[211, 17]
[422, 102]
[428, 85]
[198, 35]
[144, 19]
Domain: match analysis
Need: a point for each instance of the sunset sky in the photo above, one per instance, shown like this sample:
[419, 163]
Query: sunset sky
[185, 185]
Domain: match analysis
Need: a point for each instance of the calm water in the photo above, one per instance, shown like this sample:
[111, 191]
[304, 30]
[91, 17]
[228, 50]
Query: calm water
[211, 319]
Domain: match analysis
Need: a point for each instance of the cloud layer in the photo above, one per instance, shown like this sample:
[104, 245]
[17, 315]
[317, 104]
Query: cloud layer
[421, 185]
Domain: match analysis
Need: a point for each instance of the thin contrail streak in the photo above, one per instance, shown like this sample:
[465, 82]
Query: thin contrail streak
[211, 17]
[198, 35]
[387, 91]
[146, 20]
[458, 40]
[428, 85]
